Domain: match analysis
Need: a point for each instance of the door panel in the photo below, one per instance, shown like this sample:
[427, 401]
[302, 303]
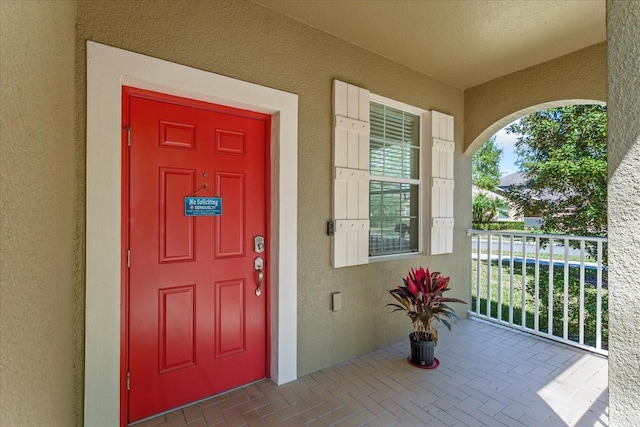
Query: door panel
[195, 324]
[177, 236]
[230, 306]
[176, 321]
[230, 236]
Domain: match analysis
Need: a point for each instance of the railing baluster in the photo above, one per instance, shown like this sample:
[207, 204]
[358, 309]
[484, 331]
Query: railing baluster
[499, 311]
[523, 317]
[565, 315]
[599, 298]
[489, 253]
[536, 275]
[581, 339]
[511, 280]
[478, 237]
[550, 304]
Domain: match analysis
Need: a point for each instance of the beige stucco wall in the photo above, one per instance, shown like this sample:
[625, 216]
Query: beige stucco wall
[248, 42]
[578, 76]
[42, 247]
[37, 189]
[623, 112]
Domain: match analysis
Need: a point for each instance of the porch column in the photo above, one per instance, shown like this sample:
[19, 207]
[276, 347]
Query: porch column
[623, 109]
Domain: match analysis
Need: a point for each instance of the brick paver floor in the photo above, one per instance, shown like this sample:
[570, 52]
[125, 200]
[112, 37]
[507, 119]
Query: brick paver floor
[488, 376]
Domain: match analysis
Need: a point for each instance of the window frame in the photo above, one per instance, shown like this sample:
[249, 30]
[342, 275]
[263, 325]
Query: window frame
[422, 180]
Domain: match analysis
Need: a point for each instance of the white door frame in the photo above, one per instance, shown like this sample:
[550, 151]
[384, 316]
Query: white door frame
[108, 69]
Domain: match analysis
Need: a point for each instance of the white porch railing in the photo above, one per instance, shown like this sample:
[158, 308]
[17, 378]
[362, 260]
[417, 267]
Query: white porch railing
[554, 286]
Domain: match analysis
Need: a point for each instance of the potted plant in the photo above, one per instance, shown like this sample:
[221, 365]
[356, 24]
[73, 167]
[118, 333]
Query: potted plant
[422, 299]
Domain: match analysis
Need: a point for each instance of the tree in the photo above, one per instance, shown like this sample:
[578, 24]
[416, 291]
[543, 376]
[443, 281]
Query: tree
[562, 154]
[485, 208]
[486, 165]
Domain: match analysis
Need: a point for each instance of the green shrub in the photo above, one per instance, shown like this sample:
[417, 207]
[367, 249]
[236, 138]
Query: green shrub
[499, 225]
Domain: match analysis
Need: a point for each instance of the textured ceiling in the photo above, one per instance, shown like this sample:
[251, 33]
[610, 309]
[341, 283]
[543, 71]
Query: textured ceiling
[462, 43]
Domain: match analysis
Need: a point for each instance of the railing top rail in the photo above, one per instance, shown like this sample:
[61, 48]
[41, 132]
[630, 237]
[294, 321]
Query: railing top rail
[471, 231]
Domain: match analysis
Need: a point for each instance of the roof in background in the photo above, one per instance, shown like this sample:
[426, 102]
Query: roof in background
[515, 178]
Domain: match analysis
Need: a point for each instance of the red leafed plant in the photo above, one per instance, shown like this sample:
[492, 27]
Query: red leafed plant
[421, 298]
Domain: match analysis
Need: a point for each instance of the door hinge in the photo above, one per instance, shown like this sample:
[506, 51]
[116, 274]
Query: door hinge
[128, 129]
[128, 258]
[128, 381]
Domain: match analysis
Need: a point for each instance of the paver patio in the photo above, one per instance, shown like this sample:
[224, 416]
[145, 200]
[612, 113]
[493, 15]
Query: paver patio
[488, 376]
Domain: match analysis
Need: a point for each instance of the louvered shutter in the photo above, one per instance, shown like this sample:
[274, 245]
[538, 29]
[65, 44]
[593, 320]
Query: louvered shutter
[442, 183]
[351, 175]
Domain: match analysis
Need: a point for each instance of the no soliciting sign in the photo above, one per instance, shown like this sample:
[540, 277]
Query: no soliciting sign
[202, 206]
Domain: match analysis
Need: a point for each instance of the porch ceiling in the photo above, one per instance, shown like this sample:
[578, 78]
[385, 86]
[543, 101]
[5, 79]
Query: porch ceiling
[462, 43]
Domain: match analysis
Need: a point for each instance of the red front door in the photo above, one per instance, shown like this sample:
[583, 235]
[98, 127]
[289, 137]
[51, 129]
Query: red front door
[196, 325]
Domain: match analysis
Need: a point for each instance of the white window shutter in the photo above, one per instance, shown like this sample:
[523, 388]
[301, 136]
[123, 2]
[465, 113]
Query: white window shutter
[442, 183]
[350, 175]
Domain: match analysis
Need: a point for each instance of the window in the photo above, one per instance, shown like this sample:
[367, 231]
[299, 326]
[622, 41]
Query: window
[385, 203]
[394, 184]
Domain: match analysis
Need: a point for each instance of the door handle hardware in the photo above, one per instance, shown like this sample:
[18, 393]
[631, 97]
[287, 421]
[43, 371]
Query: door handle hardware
[258, 265]
[259, 288]
[258, 244]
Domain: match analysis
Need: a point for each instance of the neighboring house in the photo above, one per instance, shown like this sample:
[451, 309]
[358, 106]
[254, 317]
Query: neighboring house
[95, 176]
[511, 215]
[515, 178]
[532, 218]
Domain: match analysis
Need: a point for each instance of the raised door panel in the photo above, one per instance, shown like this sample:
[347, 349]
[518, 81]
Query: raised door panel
[176, 233]
[176, 308]
[230, 227]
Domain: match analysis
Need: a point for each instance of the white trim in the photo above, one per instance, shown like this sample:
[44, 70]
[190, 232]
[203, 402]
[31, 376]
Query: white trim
[378, 99]
[395, 257]
[108, 69]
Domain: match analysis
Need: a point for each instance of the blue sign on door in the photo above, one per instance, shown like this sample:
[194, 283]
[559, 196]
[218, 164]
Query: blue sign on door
[202, 206]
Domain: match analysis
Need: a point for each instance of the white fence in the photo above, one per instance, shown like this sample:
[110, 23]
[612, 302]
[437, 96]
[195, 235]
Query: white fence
[554, 286]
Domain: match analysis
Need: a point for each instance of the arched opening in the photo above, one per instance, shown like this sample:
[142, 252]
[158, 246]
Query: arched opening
[558, 168]
[551, 282]
[492, 128]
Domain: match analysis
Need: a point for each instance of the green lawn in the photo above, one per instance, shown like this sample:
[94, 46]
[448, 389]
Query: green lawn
[590, 299]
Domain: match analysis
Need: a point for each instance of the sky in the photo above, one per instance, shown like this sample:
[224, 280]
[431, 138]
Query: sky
[508, 144]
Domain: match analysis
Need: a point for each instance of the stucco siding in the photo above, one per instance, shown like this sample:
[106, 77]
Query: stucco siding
[580, 76]
[251, 43]
[37, 189]
[623, 111]
[43, 163]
